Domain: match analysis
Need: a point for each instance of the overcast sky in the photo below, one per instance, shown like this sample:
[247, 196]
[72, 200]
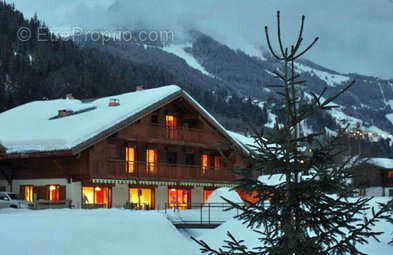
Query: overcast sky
[356, 35]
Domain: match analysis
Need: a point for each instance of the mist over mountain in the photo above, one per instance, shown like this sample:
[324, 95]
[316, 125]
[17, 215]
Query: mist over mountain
[355, 35]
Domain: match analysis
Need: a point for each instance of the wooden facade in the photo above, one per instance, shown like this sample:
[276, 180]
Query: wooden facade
[175, 143]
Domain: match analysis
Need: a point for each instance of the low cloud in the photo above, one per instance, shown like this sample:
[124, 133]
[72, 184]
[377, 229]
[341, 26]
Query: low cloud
[356, 36]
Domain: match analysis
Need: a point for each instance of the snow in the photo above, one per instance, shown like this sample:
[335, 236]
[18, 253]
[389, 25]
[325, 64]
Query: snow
[330, 79]
[179, 50]
[215, 238]
[381, 162]
[274, 179]
[246, 142]
[227, 193]
[90, 232]
[28, 127]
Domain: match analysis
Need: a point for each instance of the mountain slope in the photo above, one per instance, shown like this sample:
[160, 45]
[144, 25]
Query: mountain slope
[209, 63]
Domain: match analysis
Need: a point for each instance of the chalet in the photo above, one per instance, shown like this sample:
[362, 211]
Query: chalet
[374, 177]
[146, 149]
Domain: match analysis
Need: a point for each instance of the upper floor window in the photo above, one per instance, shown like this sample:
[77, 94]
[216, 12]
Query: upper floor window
[189, 159]
[154, 119]
[217, 162]
[205, 162]
[151, 160]
[171, 157]
[130, 159]
[170, 122]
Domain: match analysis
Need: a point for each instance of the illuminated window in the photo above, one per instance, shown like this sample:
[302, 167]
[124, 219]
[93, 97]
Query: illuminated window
[96, 196]
[179, 198]
[142, 197]
[151, 160]
[390, 174]
[206, 194]
[54, 192]
[130, 158]
[170, 121]
[205, 162]
[27, 192]
[217, 162]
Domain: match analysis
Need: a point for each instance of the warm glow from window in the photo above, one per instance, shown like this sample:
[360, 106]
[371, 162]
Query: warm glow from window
[170, 121]
[54, 193]
[95, 195]
[206, 194]
[28, 193]
[217, 162]
[179, 198]
[205, 162]
[130, 158]
[390, 174]
[151, 160]
[142, 198]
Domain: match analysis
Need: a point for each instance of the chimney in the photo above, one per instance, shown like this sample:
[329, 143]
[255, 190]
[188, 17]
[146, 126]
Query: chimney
[113, 102]
[139, 88]
[70, 96]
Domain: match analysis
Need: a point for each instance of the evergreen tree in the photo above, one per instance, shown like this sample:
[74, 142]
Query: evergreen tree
[313, 210]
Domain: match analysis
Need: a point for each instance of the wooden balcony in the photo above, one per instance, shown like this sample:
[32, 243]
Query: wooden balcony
[176, 135]
[119, 169]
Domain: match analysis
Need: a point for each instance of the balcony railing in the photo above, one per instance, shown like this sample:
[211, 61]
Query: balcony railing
[183, 134]
[162, 171]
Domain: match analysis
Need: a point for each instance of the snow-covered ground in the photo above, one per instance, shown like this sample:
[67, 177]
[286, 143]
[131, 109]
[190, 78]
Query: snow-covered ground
[118, 231]
[89, 232]
[216, 237]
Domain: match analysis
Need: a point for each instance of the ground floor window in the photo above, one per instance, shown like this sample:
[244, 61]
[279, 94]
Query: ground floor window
[96, 196]
[179, 198]
[142, 198]
[27, 193]
[206, 193]
[54, 192]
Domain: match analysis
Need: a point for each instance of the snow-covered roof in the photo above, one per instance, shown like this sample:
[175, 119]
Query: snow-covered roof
[381, 162]
[31, 128]
[246, 142]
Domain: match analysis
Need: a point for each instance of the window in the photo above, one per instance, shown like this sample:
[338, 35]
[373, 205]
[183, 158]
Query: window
[54, 192]
[171, 157]
[391, 192]
[390, 174]
[154, 119]
[189, 158]
[179, 198]
[151, 160]
[99, 196]
[170, 122]
[205, 162]
[206, 194]
[130, 158]
[217, 162]
[27, 193]
[142, 198]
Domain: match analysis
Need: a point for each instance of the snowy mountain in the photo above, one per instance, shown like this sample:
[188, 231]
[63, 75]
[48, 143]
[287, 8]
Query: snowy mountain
[207, 62]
